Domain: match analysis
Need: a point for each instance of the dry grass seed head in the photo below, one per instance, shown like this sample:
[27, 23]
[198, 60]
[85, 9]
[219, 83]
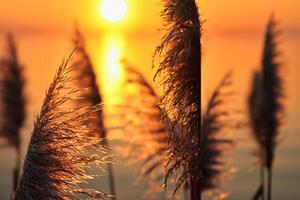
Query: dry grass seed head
[272, 91]
[12, 101]
[180, 70]
[86, 79]
[61, 151]
[148, 139]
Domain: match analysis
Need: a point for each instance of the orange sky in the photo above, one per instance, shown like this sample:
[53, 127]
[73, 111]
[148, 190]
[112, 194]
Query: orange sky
[221, 15]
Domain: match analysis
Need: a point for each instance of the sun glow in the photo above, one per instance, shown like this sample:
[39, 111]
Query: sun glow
[113, 10]
[113, 47]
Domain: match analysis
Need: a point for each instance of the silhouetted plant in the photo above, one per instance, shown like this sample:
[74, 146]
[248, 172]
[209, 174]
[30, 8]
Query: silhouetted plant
[62, 147]
[254, 104]
[180, 70]
[147, 138]
[12, 85]
[269, 104]
[217, 126]
[86, 79]
[272, 92]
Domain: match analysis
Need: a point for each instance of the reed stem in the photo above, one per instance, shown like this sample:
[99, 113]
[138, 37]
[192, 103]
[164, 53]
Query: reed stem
[269, 183]
[111, 180]
[16, 170]
[195, 189]
[185, 191]
[262, 179]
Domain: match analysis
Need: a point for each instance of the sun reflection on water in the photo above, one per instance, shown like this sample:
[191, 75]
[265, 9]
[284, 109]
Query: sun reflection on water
[113, 50]
[112, 76]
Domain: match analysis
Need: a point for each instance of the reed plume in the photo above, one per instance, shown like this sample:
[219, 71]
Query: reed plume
[62, 147]
[180, 70]
[270, 106]
[254, 105]
[148, 138]
[272, 92]
[87, 79]
[217, 126]
[13, 112]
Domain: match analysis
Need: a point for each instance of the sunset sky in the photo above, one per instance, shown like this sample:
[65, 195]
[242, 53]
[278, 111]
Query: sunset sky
[221, 16]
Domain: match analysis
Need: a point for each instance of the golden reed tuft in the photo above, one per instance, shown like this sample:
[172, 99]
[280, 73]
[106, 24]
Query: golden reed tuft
[62, 148]
[87, 80]
[147, 138]
[180, 71]
[13, 101]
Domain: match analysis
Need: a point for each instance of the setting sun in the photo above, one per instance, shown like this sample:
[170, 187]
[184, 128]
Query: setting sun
[113, 10]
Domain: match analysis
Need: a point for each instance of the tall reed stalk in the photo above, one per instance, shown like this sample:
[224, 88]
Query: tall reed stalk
[180, 71]
[269, 105]
[12, 101]
[86, 79]
[62, 147]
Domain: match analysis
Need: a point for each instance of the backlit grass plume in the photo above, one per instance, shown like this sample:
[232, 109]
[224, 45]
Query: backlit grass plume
[86, 79]
[62, 148]
[217, 126]
[12, 101]
[272, 92]
[147, 137]
[254, 104]
[269, 104]
[180, 71]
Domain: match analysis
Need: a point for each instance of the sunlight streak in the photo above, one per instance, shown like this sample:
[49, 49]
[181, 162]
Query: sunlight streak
[113, 47]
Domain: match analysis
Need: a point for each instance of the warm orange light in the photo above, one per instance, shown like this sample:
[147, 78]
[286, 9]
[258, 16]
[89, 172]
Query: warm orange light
[113, 47]
[113, 10]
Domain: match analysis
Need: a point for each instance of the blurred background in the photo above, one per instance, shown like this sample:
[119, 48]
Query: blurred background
[233, 40]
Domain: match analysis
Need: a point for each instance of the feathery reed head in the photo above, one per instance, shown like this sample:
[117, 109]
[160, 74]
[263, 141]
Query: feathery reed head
[216, 127]
[180, 70]
[254, 105]
[61, 149]
[148, 139]
[87, 80]
[272, 91]
[12, 95]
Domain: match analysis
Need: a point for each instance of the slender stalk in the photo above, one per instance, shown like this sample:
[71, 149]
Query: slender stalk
[110, 171]
[111, 179]
[185, 193]
[197, 182]
[262, 179]
[13, 101]
[186, 190]
[109, 166]
[269, 197]
[15, 177]
[195, 189]
[16, 170]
